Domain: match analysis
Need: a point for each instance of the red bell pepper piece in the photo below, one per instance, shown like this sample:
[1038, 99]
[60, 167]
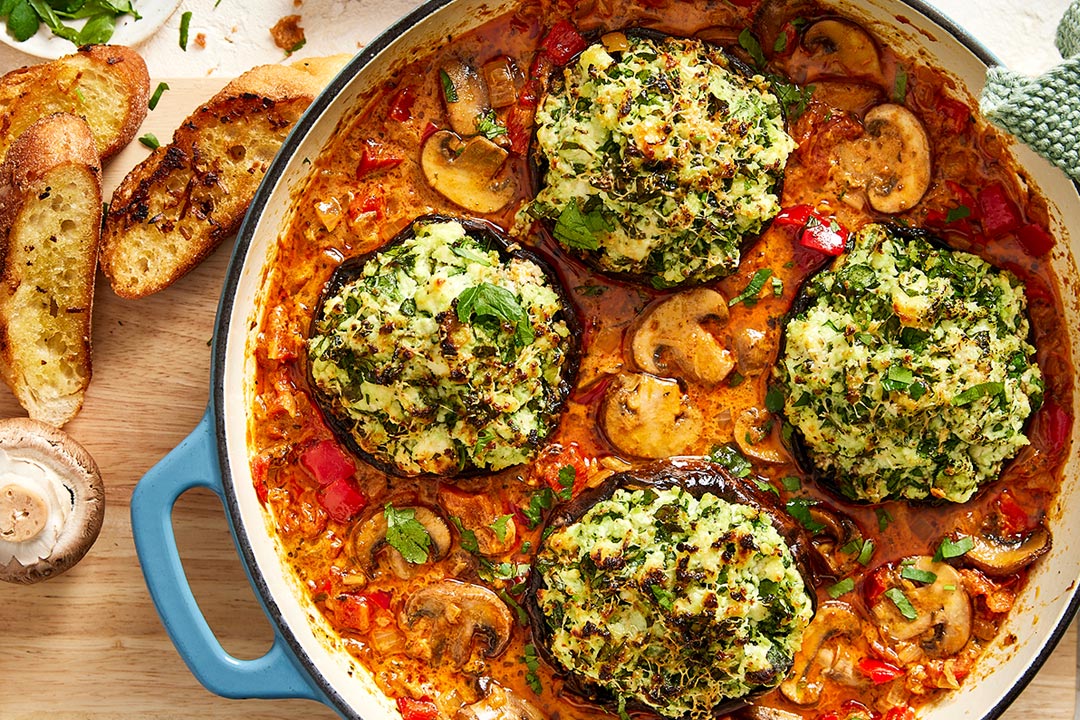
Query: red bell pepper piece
[964, 197]
[342, 499]
[366, 204]
[429, 130]
[549, 467]
[401, 104]
[519, 122]
[794, 216]
[563, 42]
[373, 159]
[1053, 427]
[380, 597]
[260, 468]
[879, 671]
[422, 709]
[327, 462]
[353, 612]
[900, 713]
[955, 115]
[1014, 519]
[1000, 215]
[874, 586]
[825, 236]
[1035, 240]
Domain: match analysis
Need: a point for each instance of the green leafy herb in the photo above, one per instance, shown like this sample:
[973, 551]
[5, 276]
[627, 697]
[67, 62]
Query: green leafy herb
[899, 92]
[97, 30]
[150, 140]
[471, 254]
[158, 92]
[489, 126]
[910, 572]
[532, 676]
[52, 20]
[22, 21]
[883, 518]
[752, 46]
[793, 98]
[781, 43]
[735, 379]
[749, 296]
[567, 476]
[777, 287]
[590, 290]
[468, 537]
[866, 552]
[950, 548]
[799, 508]
[487, 300]
[766, 486]
[448, 89]
[664, 597]
[499, 526]
[540, 501]
[522, 616]
[897, 378]
[902, 603]
[774, 400]
[957, 213]
[406, 534]
[579, 230]
[732, 460]
[841, 588]
[975, 392]
[185, 26]
[791, 483]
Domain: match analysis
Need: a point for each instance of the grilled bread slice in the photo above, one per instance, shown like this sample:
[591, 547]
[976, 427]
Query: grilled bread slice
[50, 223]
[176, 206]
[106, 85]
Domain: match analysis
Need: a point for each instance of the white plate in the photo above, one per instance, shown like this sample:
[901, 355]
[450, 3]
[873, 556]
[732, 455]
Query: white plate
[129, 31]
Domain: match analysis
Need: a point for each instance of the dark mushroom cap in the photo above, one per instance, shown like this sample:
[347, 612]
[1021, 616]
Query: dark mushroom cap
[697, 477]
[74, 468]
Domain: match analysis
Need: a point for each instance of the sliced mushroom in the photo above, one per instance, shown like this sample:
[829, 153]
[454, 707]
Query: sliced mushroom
[649, 417]
[671, 339]
[753, 351]
[500, 704]
[941, 625]
[834, 619]
[762, 712]
[892, 159]
[465, 96]
[52, 501]
[843, 48]
[481, 514]
[837, 531]
[444, 619]
[757, 435]
[469, 173]
[1004, 556]
[368, 539]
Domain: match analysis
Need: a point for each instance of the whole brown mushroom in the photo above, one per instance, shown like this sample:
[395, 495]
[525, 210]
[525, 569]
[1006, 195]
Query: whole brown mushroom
[52, 501]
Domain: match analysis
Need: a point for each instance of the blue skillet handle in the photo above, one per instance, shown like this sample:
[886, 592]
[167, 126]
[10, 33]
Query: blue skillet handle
[194, 463]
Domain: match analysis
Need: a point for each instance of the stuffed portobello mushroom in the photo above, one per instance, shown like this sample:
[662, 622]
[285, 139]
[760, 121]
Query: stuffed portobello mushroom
[907, 369]
[659, 158]
[443, 353]
[676, 589]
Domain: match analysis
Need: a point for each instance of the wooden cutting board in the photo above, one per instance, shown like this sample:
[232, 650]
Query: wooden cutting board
[88, 644]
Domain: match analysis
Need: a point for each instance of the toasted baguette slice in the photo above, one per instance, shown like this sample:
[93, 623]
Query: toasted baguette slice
[176, 206]
[50, 223]
[107, 85]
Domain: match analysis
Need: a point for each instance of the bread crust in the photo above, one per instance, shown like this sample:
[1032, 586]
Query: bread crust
[178, 205]
[48, 260]
[106, 85]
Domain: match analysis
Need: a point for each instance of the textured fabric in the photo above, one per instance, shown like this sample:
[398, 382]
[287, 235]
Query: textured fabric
[1043, 111]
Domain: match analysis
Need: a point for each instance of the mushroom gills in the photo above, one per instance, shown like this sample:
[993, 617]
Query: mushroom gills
[844, 48]
[833, 620]
[1004, 556]
[891, 160]
[672, 340]
[447, 617]
[649, 417]
[34, 506]
[368, 539]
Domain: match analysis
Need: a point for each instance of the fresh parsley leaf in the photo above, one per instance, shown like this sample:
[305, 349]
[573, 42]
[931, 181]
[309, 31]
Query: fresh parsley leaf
[799, 508]
[664, 597]
[841, 588]
[950, 548]
[976, 392]
[957, 213]
[793, 98]
[902, 603]
[567, 476]
[158, 92]
[732, 460]
[471, 254]
[576, 229]
[749, 296]
[150, 140]
[406, 534]
[590, 290]
[532, 677]
[487, 300]
[97, 30]
[185, 27]
[781, 43]
[540, 501]
[766, 486]
[909, 572]
[777, 287]
[899, 94]
[883, 518]
[866, 553]
[499, 526]
[791, 483]
[22, 21]
[448, 88]
[522, 616]
[489, 126]
[749, 42]
[468, 537]
[774, 400]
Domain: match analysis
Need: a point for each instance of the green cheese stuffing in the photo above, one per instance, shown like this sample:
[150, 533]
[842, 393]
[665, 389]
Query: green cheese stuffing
[677, 602]
[661, 159]
[441, 356]
[910, 375]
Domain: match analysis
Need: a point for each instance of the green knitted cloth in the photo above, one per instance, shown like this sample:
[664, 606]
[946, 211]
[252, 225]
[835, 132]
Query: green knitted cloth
[1043, 111]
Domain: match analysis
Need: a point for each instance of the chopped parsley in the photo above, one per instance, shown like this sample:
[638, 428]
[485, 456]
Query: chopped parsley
[900, 84]
[883, 518]
[791, 483]
[900, 600]
[841, 588]
[492, 301]
[499, 526]
[539, 501]
[748, 296]
[732, 460]
[406, 534]
[957, 213]
[910, 572]
[749, 42]
[799, 508]
[185, 26]
[158, 92]
[950, 548]
[489, 126]
[532, 677]
[579, 230]
[468, 538]
[567, 476]
[448, 88]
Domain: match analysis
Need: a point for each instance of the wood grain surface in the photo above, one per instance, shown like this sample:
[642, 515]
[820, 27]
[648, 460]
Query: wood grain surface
[88, 645]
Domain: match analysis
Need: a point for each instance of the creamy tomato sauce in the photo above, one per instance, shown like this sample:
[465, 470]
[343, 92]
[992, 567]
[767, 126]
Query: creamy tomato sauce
[368, 184]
